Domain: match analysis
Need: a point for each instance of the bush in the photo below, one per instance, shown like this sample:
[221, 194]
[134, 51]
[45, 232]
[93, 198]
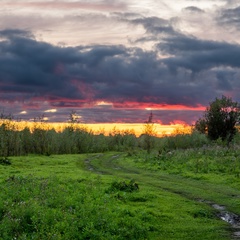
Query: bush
[5, 161]
[129, 186]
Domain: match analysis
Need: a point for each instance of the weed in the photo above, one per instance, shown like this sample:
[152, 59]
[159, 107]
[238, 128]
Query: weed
[5, 161]
[203, 213]
[46, 208]
[125, 186]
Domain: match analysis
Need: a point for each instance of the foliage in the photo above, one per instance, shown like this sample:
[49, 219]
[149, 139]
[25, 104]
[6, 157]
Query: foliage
[62, 199]
[5, 161]
[201, 125]
[220, 119]
[215, 159]
[73, 139]
[81, 196]
[76, 139]
[48, 208]
[182, 141]
[148, 134]
[126, 186]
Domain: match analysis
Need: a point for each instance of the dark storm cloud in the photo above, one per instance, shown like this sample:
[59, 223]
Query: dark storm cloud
[157, 26]
[40, 69]
[224, 79]
[68, 77]
[230, 17]
[208, 62]
[197, 55]
[15, 32]
[100, 115]
[189, 58]
[187, 51]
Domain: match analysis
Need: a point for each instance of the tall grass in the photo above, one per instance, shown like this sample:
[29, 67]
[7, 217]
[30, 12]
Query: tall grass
[49, 208]
[75, 140]
[72, 140]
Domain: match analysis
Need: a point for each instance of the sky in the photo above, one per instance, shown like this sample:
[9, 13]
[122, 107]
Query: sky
[117, 60]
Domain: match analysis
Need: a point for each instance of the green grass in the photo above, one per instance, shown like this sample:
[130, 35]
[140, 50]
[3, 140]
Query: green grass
[82, 197]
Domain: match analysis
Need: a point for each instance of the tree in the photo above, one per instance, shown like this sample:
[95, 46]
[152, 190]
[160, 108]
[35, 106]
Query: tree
[220, 119]
[73, 117]
[149, 132]
[5, 134]
[73, 120]
[201, 125]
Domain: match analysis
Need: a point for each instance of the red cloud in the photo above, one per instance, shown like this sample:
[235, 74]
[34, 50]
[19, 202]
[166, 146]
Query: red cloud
[84, 89]
[157, 106]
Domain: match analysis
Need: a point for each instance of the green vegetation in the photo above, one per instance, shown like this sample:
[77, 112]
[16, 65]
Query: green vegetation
[60, 197]
[77, 185]
[72, 140]
[220, 119]
[118, 195]
[149, 132]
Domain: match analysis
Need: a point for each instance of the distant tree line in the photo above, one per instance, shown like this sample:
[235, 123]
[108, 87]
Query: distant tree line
[219, 122]
[76, 140]
[70, 141]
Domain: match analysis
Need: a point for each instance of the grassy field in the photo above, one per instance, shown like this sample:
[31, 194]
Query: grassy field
[117, 195]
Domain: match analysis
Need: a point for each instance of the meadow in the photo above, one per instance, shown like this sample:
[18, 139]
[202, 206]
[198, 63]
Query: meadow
[77, 185]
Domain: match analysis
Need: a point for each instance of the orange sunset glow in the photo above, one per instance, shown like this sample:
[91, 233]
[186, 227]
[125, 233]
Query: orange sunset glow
[138, 128]
[105, 128]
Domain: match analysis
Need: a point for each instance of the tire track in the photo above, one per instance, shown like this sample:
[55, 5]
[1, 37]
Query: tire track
[191, 189]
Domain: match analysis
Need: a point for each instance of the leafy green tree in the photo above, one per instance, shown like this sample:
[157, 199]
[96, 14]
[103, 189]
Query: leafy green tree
[26, 141]
[220, 119]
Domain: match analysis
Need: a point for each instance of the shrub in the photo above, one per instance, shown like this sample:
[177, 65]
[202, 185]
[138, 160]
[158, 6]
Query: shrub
[220, 119]
[128, 186]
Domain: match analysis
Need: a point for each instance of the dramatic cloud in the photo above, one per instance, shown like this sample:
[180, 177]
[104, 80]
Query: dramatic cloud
[146, 62]
[230, 17]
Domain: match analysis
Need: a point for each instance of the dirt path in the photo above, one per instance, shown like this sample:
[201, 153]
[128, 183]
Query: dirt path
[195, 190]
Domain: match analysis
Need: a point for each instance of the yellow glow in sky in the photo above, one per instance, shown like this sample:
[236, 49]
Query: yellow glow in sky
[138, 128]
[106, 128]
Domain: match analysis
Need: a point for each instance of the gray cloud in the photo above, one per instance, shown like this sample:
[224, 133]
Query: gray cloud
[130, 78]
[197, 55]
[185, 67]
[157, 26]
[230, 17]
[192, 57]
[193, 9]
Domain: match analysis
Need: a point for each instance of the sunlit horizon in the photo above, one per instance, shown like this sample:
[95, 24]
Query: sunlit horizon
[104, 128]
[137, 128]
